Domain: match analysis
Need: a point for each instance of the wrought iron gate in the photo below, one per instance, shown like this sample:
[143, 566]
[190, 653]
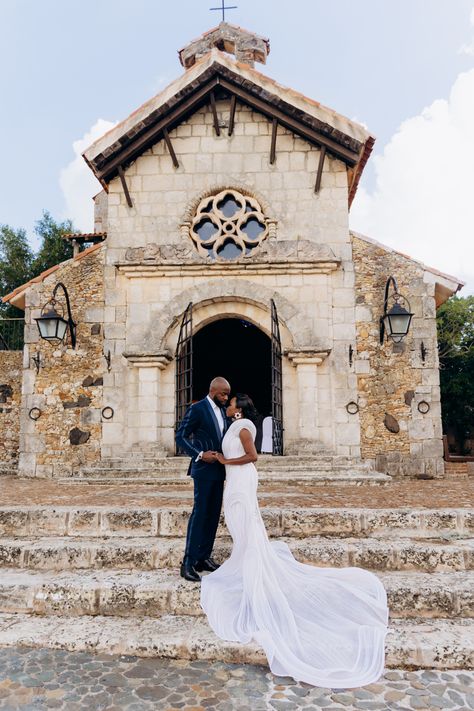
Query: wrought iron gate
[184, 366]
[277, 389]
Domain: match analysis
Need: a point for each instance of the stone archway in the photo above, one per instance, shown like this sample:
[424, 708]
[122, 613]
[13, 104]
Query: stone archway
[234, 298]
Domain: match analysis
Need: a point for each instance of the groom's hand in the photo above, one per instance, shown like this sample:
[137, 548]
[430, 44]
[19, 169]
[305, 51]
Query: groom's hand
[209, 457]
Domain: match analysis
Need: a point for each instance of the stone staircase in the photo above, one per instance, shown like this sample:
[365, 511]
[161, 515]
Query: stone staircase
[150, 467]
[105, 578]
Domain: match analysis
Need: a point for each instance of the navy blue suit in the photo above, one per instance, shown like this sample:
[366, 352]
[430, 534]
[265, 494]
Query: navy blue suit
[199, 432]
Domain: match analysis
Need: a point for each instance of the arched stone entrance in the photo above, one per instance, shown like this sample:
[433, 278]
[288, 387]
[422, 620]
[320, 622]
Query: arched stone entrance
[238, 350]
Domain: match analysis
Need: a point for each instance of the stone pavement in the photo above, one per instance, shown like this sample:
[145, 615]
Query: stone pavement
[40, 679]
[419, 493]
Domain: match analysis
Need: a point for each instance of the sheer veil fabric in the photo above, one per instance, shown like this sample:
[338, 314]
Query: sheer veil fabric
[323, 626]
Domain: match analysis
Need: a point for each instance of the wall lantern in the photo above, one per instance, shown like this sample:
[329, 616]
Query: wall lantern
[396, 320]
[52, 325]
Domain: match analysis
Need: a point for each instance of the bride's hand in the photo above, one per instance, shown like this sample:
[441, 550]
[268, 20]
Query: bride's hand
[220, 458]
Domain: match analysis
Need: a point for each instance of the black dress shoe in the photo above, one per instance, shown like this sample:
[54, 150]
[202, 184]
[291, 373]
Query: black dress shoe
[188, 572]
[208, 565]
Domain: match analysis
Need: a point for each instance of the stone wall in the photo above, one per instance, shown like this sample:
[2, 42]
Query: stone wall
[393, 379]
[162, 194]
[11, 369]
[68, 387]
[149, 246]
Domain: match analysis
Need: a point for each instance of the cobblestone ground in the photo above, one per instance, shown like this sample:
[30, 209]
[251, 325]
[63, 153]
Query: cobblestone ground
[40, 679]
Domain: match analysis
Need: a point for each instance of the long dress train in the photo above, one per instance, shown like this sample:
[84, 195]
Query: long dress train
[323, 626]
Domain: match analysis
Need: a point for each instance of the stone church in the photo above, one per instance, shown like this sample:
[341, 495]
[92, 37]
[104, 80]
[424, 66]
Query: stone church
[222, 247]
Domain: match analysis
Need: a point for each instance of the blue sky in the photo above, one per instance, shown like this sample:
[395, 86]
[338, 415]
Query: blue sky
[65, 64]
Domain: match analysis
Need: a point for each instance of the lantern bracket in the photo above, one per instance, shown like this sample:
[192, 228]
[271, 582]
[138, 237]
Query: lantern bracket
[70, 322]
[396, 296]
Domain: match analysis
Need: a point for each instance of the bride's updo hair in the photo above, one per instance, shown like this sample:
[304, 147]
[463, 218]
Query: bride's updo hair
[245, 403]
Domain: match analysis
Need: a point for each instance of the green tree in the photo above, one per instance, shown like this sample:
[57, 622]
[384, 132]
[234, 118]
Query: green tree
[53, 248]
[455, 320]
[16, 258]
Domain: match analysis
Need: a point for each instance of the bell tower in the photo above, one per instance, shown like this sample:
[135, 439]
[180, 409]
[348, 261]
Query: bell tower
[246, 46]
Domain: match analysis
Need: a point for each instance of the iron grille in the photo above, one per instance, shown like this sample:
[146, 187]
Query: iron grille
[184, 367]
[277, 387]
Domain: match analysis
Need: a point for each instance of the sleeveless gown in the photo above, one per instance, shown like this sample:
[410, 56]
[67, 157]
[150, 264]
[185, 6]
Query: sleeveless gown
[323, 626]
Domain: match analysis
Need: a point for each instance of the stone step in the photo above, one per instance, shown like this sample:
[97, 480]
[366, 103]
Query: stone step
[69, 553]
[307, 478]
[297, 522]
[414, 644]
[140, 593]
[265, 463]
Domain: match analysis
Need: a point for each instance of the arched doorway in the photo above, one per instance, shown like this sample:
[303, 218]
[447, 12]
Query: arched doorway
[239, 351]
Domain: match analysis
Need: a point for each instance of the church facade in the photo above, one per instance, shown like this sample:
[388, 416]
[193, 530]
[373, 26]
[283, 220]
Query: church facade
[222, 247]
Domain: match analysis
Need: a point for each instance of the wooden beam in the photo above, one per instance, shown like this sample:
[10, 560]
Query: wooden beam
[274, 140]
[124, 186]
[174, 116]
[233, 104]
[170, 147]
[154, 133]
[214, 114]
[345, 154]
[319, 174]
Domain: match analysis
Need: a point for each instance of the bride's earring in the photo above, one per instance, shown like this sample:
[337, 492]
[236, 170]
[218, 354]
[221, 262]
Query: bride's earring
[237, 415]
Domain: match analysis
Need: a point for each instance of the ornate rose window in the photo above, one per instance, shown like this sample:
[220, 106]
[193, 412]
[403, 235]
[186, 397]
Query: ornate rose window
[228, 225]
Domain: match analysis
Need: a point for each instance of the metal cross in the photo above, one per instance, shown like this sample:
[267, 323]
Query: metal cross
[223, 8]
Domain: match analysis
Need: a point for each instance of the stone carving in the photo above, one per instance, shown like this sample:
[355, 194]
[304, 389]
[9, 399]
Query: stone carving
[282, 251]
[228, 225]
[391, 423]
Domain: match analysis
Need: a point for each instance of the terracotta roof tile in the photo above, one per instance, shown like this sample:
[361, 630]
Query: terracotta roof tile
[41, 277]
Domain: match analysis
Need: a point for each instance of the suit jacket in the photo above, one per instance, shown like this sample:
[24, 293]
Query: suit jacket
[199, 431]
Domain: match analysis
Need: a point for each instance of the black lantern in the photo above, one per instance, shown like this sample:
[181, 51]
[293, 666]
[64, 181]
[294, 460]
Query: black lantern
[396, 320]
[52, 325]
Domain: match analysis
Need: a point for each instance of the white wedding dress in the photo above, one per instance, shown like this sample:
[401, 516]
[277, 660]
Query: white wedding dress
[323, 626]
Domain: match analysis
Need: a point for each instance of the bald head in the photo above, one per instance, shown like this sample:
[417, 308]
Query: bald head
[219, 390]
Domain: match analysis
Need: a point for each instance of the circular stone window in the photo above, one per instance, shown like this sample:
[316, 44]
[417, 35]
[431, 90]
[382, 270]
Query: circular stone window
[228, 225]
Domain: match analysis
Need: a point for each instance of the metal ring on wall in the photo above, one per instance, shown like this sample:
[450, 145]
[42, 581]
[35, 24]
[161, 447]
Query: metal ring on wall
[107, 413]
[423, 407]
[34, 413]
[352, 407]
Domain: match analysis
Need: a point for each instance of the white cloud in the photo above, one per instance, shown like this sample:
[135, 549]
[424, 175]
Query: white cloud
[78, 183]
[423, 200]
[468, 48]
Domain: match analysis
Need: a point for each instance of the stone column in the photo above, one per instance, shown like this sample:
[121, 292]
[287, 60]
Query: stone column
[306, 362]
[144, 416]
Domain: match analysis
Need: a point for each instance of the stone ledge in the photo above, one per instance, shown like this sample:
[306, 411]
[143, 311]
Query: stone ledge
[152, 553]
[170, 521]
[158, 592]
[430, 644]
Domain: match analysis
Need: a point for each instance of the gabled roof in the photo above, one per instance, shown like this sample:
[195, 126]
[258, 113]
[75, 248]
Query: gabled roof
[17, 296]
[219, 72]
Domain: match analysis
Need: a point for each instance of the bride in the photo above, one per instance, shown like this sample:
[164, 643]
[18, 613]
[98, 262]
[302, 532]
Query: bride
[323, 626]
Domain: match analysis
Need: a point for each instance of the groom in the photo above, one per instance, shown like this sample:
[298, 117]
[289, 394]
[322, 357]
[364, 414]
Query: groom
[200, 435]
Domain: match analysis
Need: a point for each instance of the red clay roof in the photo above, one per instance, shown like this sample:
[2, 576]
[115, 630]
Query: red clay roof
[41, 277]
